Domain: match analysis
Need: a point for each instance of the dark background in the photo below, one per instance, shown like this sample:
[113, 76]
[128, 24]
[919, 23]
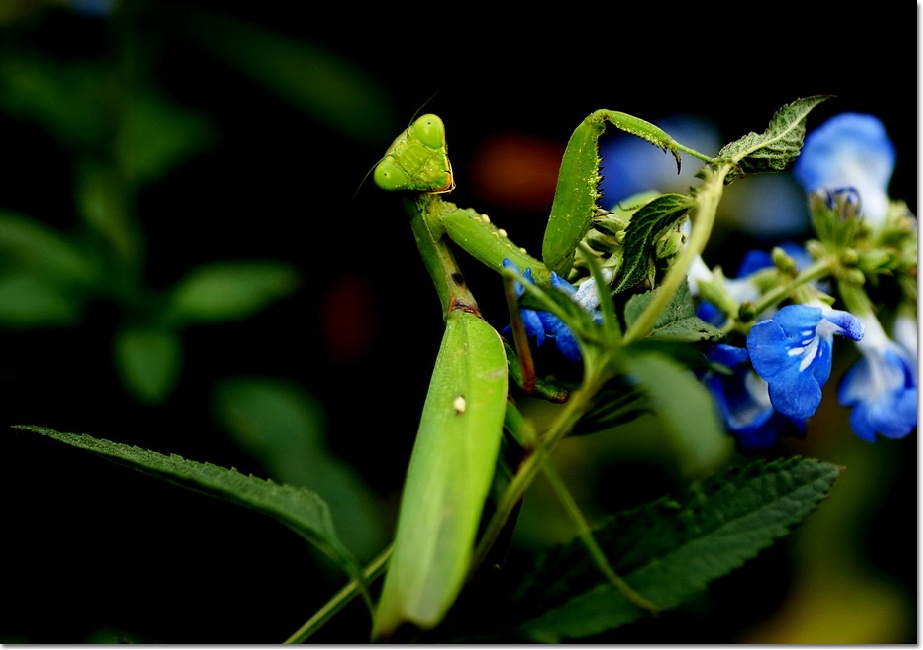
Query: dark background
[91, 544]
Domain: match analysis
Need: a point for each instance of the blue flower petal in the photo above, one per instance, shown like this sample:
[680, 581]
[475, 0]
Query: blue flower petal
[535, 330]
[850, 150]
[793, 353]
[881, 387]
[743, 402]
[542, 325]
[728, 355]
[561, 284]
[556, 329]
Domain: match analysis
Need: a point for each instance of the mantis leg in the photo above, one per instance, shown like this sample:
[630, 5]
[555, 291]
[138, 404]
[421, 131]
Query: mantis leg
[576, 198]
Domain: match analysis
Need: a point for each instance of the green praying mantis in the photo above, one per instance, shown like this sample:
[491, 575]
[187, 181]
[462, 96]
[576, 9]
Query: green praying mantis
[441, 538]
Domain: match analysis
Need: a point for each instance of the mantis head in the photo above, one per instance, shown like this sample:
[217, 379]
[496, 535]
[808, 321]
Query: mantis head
[417, 159]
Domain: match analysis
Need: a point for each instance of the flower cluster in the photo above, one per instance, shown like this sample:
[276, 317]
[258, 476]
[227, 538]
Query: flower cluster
[768, 370]
[847, 162]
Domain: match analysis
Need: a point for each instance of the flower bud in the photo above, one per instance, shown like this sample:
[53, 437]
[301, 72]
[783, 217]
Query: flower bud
[849, 257]
[853, 276]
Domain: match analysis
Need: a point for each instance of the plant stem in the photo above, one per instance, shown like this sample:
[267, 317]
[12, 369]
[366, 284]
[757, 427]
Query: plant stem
[576, 407]
[340, 599]
[586, 534]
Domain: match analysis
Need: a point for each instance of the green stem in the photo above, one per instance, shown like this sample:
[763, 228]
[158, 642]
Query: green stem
[779, 293]
[693, 152]
[576, 407]
[586, 534]
[855, 300]
[342, 598]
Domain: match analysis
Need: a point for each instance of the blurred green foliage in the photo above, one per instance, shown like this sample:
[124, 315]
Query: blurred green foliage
[109, 136]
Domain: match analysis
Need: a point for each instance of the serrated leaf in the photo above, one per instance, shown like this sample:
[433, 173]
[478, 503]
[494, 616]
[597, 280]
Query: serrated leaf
[642, 229]
[297, 508]
[668, 551]
[678, 322]
[149, 361]
[777, 147]
[232, 290]
[282, 426]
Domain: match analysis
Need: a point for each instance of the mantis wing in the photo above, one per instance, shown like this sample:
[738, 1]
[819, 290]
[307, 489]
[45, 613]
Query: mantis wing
[451, 468]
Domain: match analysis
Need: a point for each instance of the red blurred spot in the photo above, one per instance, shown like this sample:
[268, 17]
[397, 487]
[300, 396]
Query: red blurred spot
[517, 172]
[348, 320]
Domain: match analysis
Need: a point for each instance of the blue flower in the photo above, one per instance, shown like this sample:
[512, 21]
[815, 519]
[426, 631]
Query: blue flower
[541, 325]
[792, 352]
[881, 387]
[535, 330]
[850, 150]
[742, 398]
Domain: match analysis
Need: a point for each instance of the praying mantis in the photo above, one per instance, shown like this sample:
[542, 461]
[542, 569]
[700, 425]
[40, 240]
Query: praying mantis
[440, 539]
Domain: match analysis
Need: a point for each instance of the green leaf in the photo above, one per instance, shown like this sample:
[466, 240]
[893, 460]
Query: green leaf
[101, 200]
[617, 403]
[777, 147]
[644, 226]
[27, 300]
[233, 290]
[63, 98]
[149, 361]
[678, 321]
[30, 244]
[297, 508]
[154, 135]
[687, 411]
[668, 551]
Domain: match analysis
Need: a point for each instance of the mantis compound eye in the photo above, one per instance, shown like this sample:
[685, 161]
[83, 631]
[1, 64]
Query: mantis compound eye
[389, 176]
[430, 130]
